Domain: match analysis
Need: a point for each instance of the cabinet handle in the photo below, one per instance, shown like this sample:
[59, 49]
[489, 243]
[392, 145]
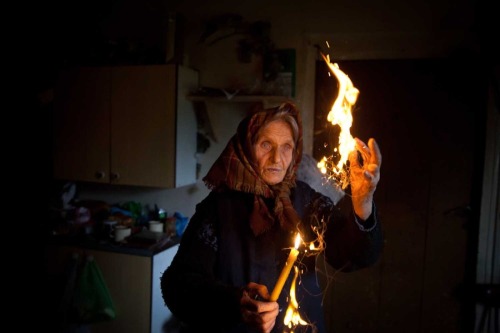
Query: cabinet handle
[100, 174]
[115, 176]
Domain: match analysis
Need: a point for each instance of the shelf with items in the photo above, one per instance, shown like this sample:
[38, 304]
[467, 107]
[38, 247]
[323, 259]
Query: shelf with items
[266, 100]
[204, 104]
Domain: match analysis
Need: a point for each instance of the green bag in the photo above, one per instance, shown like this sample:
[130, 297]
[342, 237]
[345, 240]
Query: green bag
[92, 300]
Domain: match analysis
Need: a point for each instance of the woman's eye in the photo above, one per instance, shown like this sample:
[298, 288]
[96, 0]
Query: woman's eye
[287, 148]
[266, 145]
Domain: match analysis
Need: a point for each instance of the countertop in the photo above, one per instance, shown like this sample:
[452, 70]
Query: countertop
[143, 243]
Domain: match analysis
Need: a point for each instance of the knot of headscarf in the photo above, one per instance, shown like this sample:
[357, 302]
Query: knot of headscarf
[234, 170]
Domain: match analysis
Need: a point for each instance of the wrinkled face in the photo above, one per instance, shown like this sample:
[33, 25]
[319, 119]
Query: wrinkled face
[274, 151]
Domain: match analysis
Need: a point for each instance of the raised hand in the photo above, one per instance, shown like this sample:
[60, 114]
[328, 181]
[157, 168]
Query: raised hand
[364, 175]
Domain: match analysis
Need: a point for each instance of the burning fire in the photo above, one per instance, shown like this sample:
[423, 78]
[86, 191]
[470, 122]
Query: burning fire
[340, 114]
[292, 315]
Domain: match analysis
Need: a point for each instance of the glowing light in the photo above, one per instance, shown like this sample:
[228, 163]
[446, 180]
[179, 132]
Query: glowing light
[298, 240]
[340, 114]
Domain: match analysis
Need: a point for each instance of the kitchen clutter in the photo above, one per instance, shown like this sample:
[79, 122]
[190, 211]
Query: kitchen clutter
[121, 232]
[129, 223]
[155, 226]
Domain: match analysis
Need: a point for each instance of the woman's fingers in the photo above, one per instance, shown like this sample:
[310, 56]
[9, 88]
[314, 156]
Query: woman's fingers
[376, 154]
[257, 313]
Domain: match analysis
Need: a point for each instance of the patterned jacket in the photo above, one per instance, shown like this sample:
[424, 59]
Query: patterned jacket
[219, 254]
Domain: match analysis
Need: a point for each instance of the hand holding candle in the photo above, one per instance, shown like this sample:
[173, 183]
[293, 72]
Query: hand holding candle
[286, 270]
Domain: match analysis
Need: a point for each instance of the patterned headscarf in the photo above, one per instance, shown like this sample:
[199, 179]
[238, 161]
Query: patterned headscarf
[236, 170]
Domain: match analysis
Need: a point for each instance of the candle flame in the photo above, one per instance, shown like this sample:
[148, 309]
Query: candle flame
[340, 114]
[298, 240]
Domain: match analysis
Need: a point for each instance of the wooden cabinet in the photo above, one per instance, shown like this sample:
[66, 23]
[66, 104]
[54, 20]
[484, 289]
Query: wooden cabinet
[133, 282]
[125, 125]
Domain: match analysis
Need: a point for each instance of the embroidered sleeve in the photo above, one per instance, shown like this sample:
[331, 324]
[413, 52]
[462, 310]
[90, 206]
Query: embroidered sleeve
[206, 233]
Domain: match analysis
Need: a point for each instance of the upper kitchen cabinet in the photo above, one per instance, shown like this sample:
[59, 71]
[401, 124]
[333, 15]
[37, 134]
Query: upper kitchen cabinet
[126, 125]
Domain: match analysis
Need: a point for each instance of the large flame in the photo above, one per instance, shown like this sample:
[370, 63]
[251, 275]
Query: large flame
[340, 114]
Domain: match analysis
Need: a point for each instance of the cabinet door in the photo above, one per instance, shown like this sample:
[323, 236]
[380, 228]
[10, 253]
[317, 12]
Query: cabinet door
[126, 125]
[81, 125]
[143, 125]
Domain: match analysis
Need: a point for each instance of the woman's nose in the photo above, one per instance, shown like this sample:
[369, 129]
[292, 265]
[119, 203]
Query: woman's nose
[275, 155]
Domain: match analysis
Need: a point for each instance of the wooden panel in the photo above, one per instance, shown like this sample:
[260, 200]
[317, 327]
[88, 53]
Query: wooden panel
[82, 125]
[129, 282]
[454, 138]
[143, 127]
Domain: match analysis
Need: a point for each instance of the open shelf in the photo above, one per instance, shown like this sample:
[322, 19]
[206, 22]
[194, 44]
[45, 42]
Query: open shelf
[266, 100]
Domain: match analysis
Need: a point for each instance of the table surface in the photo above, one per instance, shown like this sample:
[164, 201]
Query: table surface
[144, 243]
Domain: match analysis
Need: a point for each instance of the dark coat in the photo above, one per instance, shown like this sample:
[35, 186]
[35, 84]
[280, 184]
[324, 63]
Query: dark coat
[219, 254]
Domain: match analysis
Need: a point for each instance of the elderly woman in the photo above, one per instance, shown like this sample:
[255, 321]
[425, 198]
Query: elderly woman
[238, 240]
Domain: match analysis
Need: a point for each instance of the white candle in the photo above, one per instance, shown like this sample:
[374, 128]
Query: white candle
[286, 270]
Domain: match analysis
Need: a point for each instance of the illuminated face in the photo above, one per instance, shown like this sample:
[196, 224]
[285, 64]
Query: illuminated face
[274, 151]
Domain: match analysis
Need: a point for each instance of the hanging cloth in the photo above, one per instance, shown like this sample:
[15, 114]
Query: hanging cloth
[92, 299]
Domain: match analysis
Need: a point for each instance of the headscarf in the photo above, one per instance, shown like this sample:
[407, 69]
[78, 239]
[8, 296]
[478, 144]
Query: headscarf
[235, 170]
